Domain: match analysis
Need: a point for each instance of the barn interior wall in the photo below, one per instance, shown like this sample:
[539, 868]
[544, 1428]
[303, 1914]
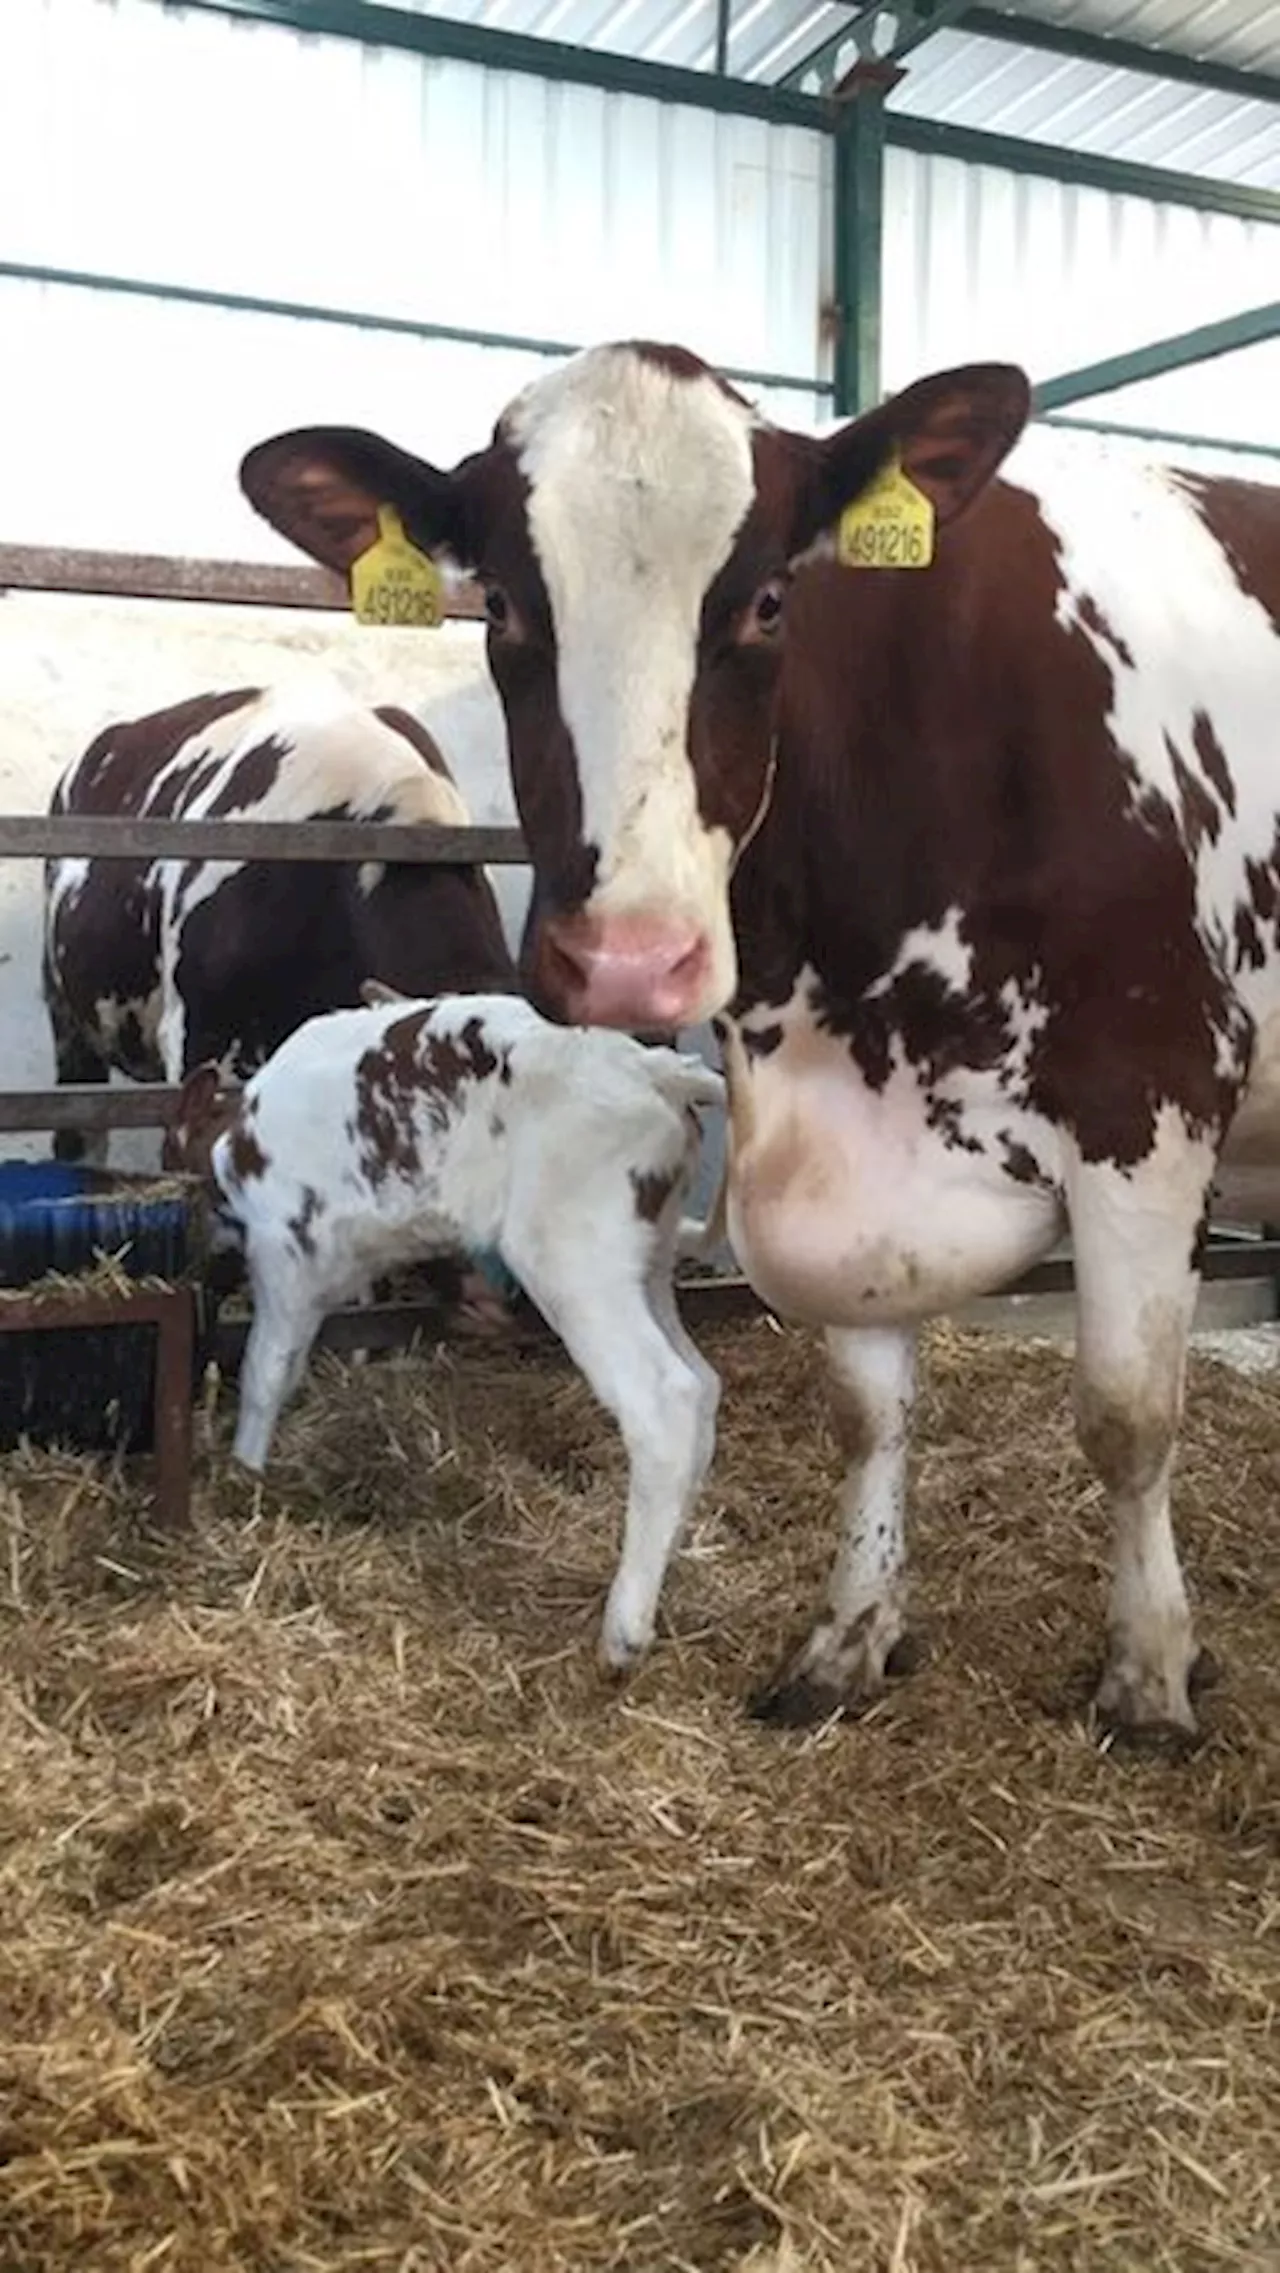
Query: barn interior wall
[979, 262]
[351, 177]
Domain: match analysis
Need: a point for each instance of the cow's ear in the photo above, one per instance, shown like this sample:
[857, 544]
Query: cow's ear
[198, 1097]
[193, 1115]
[374, 993]
[321, 487]
[949, 433]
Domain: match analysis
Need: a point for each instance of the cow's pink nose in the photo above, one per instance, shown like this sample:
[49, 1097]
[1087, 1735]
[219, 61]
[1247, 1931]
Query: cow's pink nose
[630, 971]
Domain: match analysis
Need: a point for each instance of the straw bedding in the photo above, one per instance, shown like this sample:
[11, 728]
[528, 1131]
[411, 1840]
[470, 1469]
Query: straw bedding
[348, 1920]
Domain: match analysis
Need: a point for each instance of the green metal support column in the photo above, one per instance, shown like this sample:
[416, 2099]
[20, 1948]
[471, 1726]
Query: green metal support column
[859, 232]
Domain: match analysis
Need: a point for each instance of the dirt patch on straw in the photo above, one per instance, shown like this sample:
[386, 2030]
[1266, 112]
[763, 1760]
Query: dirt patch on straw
[348, 1920]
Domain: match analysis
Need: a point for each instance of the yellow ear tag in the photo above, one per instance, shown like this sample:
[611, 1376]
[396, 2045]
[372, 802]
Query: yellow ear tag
[889, 526]
[394, 583]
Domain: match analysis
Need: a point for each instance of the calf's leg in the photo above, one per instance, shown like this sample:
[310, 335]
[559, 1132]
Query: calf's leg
[660, 1400]
[1134, 1235]
[844, 1658]
[286, 1320]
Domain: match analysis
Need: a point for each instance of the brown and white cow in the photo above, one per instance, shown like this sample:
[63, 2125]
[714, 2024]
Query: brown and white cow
[154, 966]
[978, 864]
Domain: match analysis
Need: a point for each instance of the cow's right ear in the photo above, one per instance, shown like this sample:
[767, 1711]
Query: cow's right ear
[321, 487]
[949, 434]
[374, 994]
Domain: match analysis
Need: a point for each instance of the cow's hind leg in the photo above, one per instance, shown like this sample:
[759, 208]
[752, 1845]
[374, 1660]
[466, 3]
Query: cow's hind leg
[845, 1657]
[1134, 1236]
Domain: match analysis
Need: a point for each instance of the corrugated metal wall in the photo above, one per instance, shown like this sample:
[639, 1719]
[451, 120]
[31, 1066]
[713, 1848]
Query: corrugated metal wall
[981, 262]
[243, 158]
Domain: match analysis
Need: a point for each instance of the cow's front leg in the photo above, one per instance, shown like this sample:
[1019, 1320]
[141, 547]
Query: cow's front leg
[79, 1062]
[844, 1659]
[1133, 1234]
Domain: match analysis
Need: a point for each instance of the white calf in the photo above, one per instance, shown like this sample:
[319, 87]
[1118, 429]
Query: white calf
[378, 1137]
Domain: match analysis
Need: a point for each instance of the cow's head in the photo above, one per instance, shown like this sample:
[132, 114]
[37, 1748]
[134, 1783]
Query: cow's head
[634, 526]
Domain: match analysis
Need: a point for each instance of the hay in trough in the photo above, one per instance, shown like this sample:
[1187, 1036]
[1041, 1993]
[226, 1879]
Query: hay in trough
[350, 1921]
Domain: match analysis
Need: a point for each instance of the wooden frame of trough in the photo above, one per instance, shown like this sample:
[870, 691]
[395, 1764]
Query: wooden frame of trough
[1230, 1253]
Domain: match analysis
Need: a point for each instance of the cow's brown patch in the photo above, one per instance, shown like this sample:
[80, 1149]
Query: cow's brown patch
[653, 1188]
[1093, 619]
[388, 1087]
[410, 730]
[248, 1160]
[1020, 1163]
[1213, 759]
[119, 766]
[1201, 816]
[300, 1225]
[1241, 516]
[1249, 946]
[250, 779]
[681, 363]
[413, 1069]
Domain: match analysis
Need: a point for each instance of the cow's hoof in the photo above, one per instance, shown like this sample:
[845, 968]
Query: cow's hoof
[905, 1658]
[839, 1669]
[1146, 1709]
[796, 1701]
[1206, 1673]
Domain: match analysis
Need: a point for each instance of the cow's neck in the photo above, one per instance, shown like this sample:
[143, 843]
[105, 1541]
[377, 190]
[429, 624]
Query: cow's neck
[886, 811]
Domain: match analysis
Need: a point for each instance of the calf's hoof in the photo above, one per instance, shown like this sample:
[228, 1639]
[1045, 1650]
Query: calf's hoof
[623, 1645]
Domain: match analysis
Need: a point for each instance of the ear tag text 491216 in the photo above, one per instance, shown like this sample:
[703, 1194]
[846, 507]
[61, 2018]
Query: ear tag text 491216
[394, 583]
[889, 526]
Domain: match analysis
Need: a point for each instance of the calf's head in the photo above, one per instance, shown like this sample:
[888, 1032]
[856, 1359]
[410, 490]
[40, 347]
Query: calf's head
[634, 526]
[202, 1111]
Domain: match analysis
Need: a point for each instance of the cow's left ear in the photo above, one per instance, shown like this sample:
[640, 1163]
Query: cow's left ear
[950, 433]
[322, 485]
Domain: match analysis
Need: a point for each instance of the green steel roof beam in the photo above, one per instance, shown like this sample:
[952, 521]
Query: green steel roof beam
[1165, 434]
[439, 36]
[1121, 54]
[1056, 163]
[879, 32]
[1162, 355]
[360, 319]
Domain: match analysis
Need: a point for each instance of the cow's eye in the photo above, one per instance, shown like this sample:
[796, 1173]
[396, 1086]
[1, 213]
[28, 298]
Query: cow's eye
[497, 613]
[766, 610]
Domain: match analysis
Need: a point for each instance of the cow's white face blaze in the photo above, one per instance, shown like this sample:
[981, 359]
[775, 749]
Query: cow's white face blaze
[639, 481]
[634, 524]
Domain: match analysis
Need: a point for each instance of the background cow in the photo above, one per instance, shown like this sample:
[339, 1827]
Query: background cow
[153, 966]
[977, 860]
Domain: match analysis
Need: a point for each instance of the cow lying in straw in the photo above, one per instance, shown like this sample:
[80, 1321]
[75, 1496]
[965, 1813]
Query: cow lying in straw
[378, 1136]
